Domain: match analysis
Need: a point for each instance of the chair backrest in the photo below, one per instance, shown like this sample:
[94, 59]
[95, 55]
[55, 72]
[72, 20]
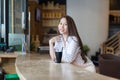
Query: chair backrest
[109, 50]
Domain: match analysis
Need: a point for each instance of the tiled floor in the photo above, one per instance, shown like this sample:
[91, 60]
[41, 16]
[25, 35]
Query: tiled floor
[97, 69]
[8, 65]
[9, 68]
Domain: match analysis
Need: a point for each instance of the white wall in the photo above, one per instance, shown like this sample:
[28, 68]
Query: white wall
[91, 18]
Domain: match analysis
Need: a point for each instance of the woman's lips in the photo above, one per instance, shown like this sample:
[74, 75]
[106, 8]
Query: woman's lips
[61, 30]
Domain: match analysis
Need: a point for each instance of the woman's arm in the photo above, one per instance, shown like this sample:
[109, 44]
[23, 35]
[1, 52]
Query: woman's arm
[72, 50]
[51, 47]
[51, 50]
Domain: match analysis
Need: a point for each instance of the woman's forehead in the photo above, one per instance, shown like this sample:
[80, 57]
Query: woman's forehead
[63, 20]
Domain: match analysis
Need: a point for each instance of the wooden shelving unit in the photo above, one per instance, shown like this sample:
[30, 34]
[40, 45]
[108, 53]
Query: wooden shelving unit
[50, 15]
[46, 27]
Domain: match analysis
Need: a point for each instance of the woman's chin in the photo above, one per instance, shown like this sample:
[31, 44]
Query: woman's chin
[61, 32]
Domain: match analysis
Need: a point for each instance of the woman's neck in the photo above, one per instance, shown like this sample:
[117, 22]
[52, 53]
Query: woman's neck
[65, 37]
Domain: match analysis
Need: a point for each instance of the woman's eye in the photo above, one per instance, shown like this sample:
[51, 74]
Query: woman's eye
[60, 23]
[66, 24]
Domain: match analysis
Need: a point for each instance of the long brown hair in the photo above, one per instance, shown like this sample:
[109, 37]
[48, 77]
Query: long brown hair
[72, 31]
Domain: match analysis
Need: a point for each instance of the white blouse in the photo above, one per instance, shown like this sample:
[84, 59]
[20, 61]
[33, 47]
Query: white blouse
[72, 51]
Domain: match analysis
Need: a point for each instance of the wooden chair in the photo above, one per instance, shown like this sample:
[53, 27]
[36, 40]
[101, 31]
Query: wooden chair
[109, 50]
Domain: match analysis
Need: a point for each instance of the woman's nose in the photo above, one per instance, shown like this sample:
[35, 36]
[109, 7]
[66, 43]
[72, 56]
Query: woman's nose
[62, 25]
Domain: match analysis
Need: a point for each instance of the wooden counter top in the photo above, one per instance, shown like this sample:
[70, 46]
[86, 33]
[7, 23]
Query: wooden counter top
[36, 68]
[8, 55]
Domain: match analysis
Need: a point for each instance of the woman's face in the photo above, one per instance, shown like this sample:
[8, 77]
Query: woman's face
[62, 26]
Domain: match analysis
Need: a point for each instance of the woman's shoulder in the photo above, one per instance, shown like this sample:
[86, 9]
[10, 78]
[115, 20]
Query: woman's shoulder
[73, 38]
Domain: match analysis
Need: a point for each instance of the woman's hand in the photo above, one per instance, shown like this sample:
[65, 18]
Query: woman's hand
[53, 39]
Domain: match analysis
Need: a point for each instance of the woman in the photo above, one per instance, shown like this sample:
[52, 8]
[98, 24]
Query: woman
[71, 45]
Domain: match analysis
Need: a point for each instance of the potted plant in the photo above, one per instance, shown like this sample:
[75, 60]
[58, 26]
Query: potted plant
[32, 46]
[86, 48]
